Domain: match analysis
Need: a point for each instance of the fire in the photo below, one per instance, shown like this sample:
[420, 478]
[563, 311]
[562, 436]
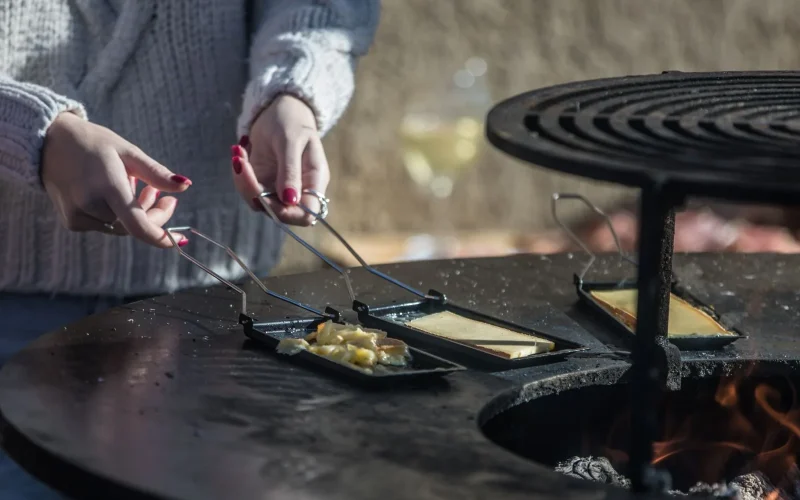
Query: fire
[745, 429]
[747, 426]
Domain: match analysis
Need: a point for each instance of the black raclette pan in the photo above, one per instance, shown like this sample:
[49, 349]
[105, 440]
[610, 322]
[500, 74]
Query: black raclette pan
[385, 317]
[392, 319]
[683, 342]
[422, 366]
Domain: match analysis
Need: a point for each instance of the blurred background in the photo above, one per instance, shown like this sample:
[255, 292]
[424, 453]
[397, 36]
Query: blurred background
[413, 176]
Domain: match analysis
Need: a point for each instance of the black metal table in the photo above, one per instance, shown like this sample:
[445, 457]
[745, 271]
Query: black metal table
[165, 399]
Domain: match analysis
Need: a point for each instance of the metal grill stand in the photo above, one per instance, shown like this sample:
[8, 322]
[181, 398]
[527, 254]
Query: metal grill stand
[732, 136]
[656, 234]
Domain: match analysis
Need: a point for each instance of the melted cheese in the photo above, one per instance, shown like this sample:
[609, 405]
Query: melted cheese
[684, 319]
[359, 348]
[494, 339]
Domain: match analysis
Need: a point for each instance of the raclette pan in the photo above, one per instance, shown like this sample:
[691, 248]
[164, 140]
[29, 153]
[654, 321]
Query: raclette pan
[392, 319]
[422, 366]
[585, 288]
[682, 342]
[387, 317]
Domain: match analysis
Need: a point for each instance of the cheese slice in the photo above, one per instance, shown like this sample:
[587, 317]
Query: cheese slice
[494, 339]
[685, 320]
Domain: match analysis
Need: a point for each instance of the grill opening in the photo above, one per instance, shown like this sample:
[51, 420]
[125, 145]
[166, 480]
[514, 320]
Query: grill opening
[713, 430]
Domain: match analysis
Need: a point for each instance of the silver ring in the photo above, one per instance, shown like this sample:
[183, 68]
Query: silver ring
[323, 202]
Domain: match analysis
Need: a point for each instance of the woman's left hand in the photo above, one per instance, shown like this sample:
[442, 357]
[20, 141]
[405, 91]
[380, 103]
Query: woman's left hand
[283, 155]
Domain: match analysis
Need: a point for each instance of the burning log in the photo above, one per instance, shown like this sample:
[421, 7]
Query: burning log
[751, 486]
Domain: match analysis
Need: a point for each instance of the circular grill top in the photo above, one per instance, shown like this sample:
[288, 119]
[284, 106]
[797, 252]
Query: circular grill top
[721, 134]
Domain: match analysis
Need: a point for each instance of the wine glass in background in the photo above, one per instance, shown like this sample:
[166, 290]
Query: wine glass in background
[442, 137]
[442, 134]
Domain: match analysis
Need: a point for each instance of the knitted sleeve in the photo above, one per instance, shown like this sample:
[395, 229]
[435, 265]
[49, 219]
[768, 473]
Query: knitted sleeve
[309, 49]
[26, 112]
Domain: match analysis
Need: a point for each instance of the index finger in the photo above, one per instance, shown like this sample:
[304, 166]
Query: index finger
[134, 218]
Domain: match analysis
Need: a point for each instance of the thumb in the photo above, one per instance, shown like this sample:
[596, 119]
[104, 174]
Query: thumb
[141, 166]
[288, 182]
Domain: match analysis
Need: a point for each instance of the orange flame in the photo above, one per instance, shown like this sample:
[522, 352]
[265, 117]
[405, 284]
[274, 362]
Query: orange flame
[772, 495]
[749, 426]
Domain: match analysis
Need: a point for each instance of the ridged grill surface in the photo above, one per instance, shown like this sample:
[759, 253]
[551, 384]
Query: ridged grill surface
[699, 130]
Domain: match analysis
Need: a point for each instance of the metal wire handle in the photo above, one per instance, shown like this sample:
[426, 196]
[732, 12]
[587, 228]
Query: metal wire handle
[320, 217]
[241, 264]
[285, 228]
[592, 257]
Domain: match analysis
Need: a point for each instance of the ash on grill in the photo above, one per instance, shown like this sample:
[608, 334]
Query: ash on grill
[752, 486]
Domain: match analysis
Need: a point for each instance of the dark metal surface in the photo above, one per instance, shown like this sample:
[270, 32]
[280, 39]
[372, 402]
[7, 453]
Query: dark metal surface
[164, 400]
[718, 134]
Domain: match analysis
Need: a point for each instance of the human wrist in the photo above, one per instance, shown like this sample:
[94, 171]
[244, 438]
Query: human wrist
[62, 126]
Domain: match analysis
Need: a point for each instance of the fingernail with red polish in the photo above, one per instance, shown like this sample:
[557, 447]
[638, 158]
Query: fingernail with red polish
[237, 151]
[290, 196]
[179, 179]
[183, 242]
[244, 141]
[237, 164]
[158, 193]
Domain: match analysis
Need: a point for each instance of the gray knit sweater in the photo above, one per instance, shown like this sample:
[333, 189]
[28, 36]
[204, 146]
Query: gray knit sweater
[176, 78]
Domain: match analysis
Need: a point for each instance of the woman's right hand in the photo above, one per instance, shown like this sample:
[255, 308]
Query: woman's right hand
[90, 174]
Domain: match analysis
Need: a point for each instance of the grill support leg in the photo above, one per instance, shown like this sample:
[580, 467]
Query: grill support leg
[656, 237]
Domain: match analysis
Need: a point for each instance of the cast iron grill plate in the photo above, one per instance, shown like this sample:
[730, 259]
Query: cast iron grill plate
[734, 134]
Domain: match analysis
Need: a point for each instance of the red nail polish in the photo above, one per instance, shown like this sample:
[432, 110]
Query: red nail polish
[290, 196]
[237, 164]
[237, 151]
[158, 193]
[244, 142]
[179, 179]
[183, 242]
[257, 204]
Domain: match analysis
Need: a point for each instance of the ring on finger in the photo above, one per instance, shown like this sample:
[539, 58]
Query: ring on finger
[111, 225]
[323, 202]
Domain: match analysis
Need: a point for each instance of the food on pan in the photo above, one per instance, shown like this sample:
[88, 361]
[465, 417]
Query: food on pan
[493, 339]
[360, 348]
[685, 320]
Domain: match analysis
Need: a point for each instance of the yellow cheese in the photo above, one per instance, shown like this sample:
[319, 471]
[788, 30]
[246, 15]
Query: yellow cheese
[359, 348]
[684, 319]
[497, 340]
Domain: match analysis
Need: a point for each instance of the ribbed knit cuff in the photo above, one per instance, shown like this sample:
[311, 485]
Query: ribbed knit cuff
[323, 78]
[26, 112]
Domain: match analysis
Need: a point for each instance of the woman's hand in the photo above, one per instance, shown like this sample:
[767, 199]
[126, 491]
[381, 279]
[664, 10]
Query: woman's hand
[90, 174]
[283, 155]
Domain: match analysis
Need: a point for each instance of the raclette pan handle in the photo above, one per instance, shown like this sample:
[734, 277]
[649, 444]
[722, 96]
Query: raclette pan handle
[320, 217]
[574, 237]
[241, 264]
